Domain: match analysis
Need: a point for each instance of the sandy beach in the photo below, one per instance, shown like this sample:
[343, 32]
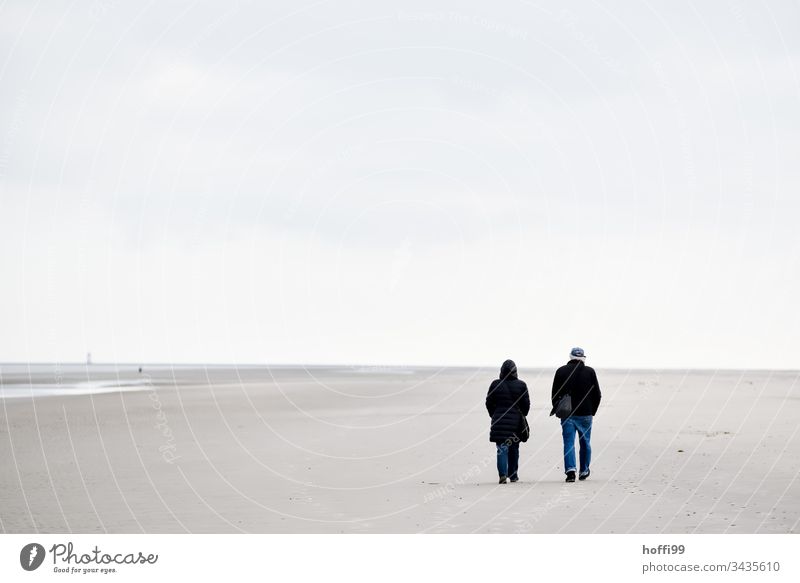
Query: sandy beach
[384, 449]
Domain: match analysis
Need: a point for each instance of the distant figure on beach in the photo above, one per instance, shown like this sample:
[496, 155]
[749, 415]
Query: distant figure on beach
[508, 403]
[576, 397]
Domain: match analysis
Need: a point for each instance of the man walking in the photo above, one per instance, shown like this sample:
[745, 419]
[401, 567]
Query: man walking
[579, 382]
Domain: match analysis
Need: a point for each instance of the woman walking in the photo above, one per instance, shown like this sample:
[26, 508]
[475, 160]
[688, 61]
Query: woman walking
[508, 403]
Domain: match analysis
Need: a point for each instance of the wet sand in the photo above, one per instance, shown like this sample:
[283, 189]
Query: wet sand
[365, 449]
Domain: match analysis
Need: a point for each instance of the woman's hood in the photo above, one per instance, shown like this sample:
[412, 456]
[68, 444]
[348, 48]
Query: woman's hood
[509, 369]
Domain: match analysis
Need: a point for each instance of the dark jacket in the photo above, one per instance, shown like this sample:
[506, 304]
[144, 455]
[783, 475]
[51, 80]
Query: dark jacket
[506, 402]
[580, 382]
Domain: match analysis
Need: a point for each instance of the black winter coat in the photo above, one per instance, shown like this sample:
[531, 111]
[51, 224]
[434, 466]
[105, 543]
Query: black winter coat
[580, 382]
[506, 401]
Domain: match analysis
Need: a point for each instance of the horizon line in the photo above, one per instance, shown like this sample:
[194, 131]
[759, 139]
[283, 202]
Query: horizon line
[374, 365]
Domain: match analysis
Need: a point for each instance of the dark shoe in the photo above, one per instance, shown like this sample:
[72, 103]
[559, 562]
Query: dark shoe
[570, 476]
[582, 477]
[502, 479]
[514, 479]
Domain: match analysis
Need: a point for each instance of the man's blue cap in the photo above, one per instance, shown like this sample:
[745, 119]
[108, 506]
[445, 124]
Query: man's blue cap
[577, 352]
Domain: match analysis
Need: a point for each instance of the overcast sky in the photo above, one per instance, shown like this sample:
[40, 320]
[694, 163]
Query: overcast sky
[375, 182]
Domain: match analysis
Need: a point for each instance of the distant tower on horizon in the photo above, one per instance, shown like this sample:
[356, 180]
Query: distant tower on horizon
[88, 358]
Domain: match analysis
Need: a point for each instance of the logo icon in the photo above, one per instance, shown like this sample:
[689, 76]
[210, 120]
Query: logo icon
[31, 556]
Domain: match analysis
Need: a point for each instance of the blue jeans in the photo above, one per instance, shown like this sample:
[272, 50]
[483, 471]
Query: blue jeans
[508, 458]
[582, 425]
